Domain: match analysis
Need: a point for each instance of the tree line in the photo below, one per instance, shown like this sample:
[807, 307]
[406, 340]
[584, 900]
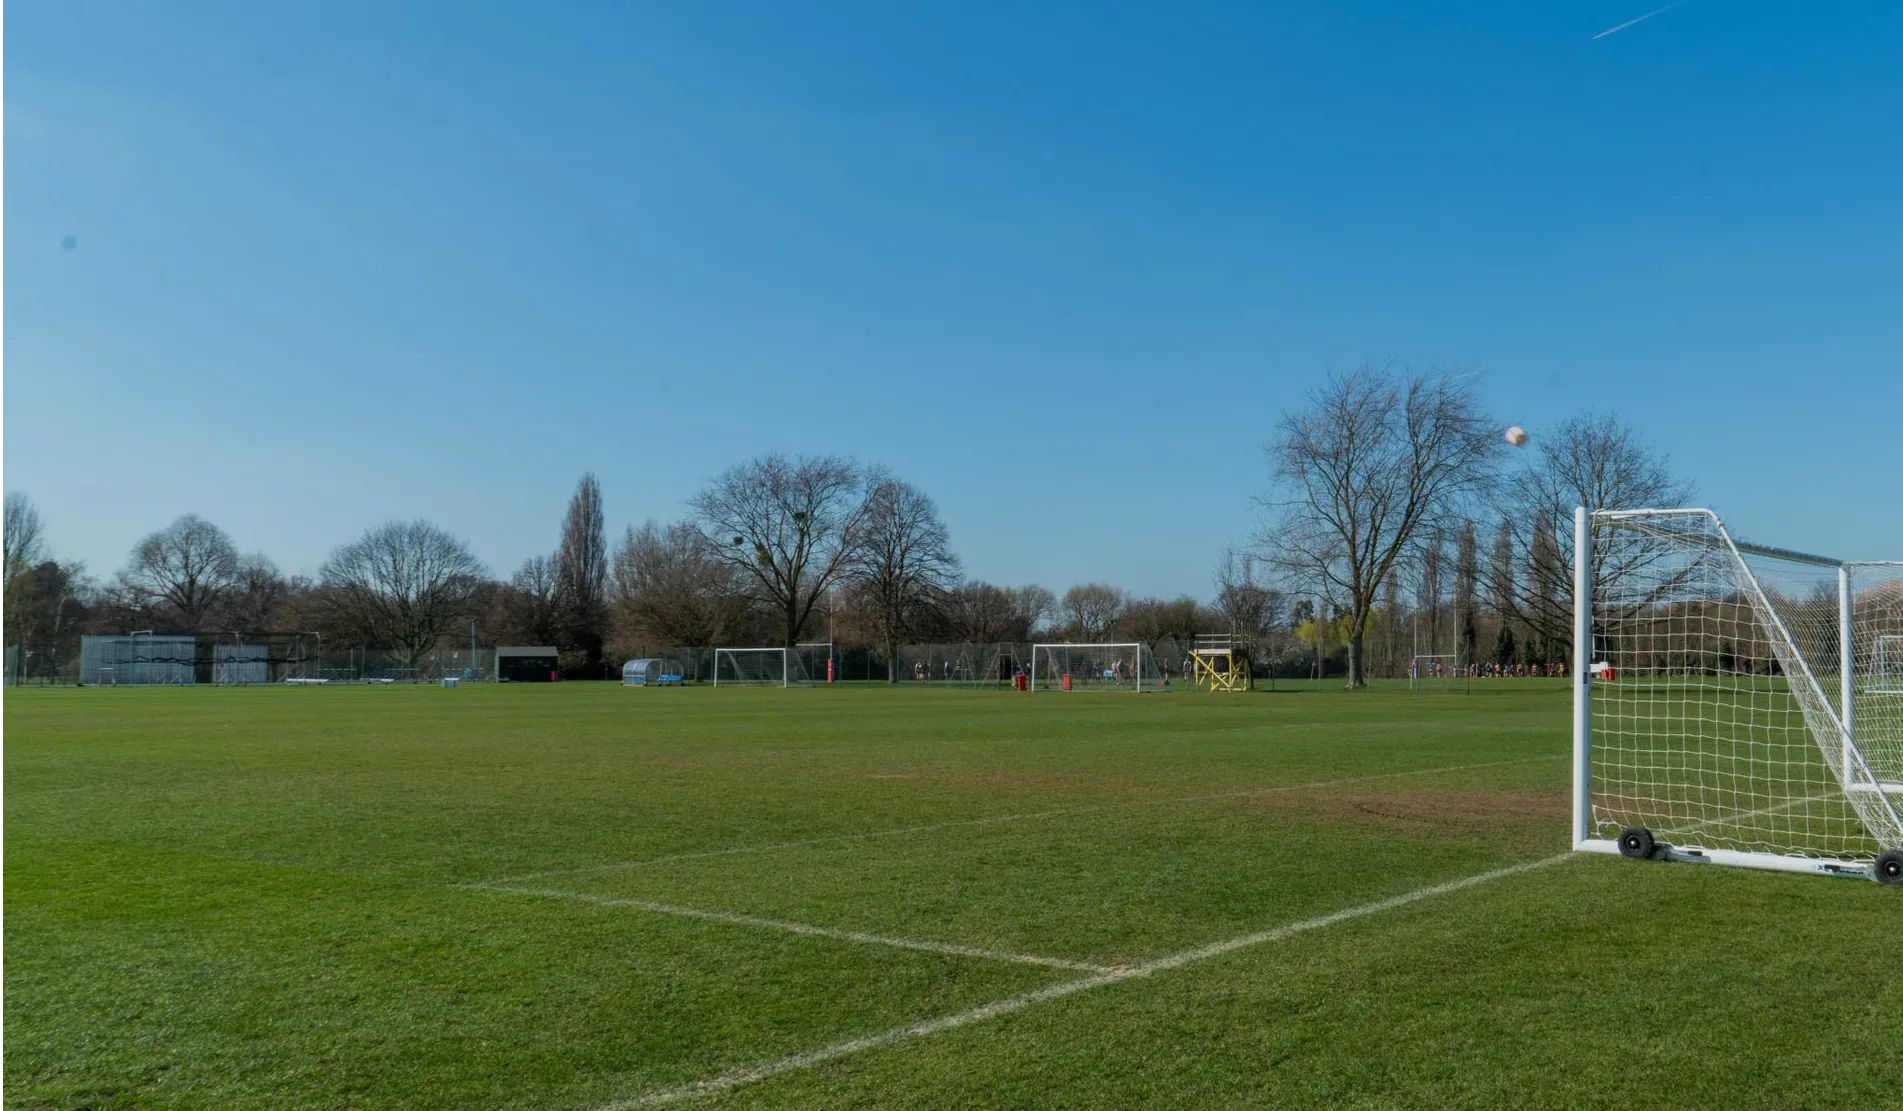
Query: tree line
[1386, 472]
[1397, 516]
[775, 549]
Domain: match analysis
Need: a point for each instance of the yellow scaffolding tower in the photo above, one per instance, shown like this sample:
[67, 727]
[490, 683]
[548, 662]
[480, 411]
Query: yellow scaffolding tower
[1221, 664]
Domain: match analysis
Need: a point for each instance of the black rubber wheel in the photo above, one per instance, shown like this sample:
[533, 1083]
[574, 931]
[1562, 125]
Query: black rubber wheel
[1636, 842]
[1889, 868]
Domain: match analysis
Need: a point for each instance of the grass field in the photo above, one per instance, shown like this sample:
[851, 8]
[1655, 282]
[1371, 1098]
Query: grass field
[579, 896]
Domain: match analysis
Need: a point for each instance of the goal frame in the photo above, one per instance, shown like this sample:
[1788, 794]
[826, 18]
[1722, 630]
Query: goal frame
[1053, 682]
[786, 665]
[1848, 770]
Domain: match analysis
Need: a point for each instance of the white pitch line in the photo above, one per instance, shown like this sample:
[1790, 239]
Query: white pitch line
[803, 928]
[998, 819]
[749, 1074]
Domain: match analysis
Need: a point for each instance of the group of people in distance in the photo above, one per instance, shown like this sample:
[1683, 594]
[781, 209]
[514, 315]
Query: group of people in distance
[1435, 669]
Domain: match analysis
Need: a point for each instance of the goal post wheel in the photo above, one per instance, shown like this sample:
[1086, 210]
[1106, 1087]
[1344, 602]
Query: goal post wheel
[1637, 842]
[1888, 869]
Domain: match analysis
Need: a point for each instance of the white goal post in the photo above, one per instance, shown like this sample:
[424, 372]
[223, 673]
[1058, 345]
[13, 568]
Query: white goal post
[1100, 667]
[775, 667]
[1729, 700]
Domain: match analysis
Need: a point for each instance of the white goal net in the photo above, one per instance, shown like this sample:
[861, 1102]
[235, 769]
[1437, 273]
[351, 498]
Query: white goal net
[1872, 693]
[1714, 711]
[1099, 667]
[776, 667]
[1886, 665]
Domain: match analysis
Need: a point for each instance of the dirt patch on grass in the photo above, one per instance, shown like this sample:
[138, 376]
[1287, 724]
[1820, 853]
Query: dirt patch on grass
[1002, 784]
[1419, 809]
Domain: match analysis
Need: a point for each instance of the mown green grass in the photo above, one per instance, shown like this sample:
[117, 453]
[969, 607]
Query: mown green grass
[270, 898]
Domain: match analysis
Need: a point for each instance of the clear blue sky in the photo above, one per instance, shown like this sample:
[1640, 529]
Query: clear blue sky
[1062, 267]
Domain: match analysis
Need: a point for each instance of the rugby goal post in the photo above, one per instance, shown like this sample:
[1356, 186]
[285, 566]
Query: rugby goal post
[1721, 710]
[775, 667]
[1099, 667]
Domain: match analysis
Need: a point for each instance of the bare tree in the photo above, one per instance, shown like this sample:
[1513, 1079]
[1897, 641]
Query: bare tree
[532, 603]
[670, 588]
[983, 613]
[257, 594]
[25, 538]
[581, 571]
[1547, 594]
[45, 605]
[1501, 588]
[980, 612]
[1466, 579]
[186, 569]
[1034, 610]
[1250, 606]
[1092, 609]
[25, 551]
[1393, 617]
[1590, 460]
[1500, 574]
[1378, 460]
[1156, 620]
[1428, 608]
[402, 584]
[791, 527]
[905, 564]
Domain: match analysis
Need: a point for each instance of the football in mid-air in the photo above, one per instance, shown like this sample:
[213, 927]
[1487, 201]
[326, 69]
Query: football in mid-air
[1516, 436]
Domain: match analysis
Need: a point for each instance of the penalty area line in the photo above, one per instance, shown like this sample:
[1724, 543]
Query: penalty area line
[763, 1070]
[803, 928]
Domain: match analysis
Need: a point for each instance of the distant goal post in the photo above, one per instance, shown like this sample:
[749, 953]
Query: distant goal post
[1097, 666]
[769, 667]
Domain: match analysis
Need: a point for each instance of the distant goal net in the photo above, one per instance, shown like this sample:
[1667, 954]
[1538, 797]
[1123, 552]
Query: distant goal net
[760, 667]
[1093, 667]
[1730, 699]
[1886, 665]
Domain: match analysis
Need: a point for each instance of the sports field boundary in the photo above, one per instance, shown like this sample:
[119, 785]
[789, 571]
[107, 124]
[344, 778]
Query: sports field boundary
[999, 819]
[853, 936]
[763, 1070]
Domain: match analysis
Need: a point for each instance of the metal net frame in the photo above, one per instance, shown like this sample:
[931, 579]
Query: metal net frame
[1722, 678]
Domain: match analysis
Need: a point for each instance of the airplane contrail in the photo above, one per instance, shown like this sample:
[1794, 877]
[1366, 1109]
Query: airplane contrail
[1641, 19]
